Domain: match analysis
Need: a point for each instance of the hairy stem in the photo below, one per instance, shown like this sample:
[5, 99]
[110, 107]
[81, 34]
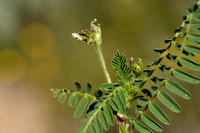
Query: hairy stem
[103, 64]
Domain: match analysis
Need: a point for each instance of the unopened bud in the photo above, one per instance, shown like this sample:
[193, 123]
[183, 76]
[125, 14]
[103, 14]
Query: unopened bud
[140, 63]
[137, 67]
[131, 60]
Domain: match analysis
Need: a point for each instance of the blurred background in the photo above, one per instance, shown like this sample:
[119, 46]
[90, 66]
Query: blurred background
[37, 53]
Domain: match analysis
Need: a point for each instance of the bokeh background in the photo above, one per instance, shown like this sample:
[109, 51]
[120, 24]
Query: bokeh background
[37, 53]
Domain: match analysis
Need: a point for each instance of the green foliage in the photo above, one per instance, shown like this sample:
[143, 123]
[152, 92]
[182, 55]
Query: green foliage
[111, 101]
[99, 109]
[119, 63]
[190, 38]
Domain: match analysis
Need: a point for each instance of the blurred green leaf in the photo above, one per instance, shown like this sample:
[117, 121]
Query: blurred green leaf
[73, 100]
[62, 97]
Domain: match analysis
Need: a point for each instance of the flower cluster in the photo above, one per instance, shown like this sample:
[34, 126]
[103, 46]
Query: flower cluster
[92, 36]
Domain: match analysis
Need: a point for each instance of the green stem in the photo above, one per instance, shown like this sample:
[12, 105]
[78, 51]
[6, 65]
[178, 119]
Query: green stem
[103, 64]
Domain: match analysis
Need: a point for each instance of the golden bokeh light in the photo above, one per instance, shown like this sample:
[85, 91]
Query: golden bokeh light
[127, 15]
[43, 71]
[13, 66]
[36, 40]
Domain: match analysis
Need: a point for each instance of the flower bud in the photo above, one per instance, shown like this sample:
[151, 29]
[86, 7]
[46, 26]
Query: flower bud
[137, 67]
[131, 60]
[96, 31]
[92, 36]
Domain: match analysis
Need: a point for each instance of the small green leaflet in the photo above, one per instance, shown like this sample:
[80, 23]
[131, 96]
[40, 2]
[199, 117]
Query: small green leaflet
[177, 89]
[97, 125]
[103, 120]
[87, 88]
[185, 76]
[192, 49]
[62, 97]
[54, 92]
[92, 129]
[73, 100]
[108, 114]
[189, 63]
[193, 38]
[168, 101]
[141, 128]
[150, 122]
[158, 112]
[81, 107]
[120, 104]
[105, 86]
[113, 105]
